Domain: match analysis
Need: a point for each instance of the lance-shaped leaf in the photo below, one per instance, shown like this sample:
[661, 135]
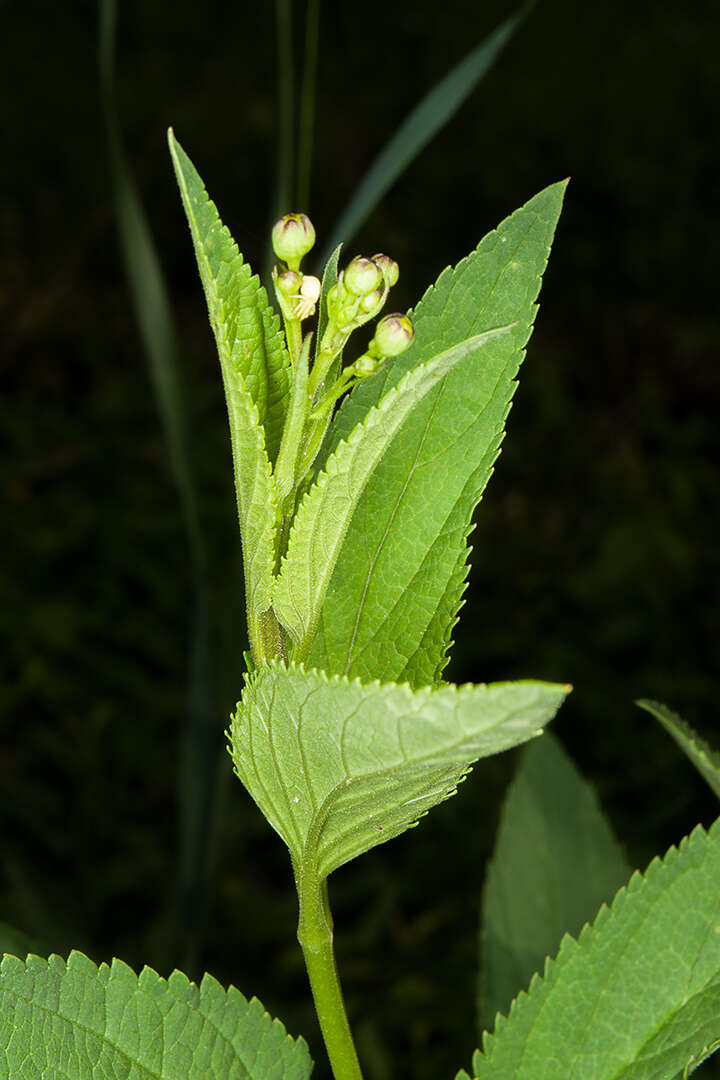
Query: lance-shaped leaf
[323, 517]
[392, 602]
[255, 374]
[338, 767]
[637, 996]
[75, 1020]
[704, 758]
[247, 331]
[555, 862]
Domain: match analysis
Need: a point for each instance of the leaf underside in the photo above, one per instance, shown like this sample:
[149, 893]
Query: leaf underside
[398, 582]
[705, 759]
[637, 996]
[70, 1020]
[555, 862]
[338, 767]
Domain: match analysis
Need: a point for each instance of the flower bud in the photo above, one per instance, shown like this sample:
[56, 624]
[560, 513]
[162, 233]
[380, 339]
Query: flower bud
[364, 365]
[288, 283]
[292, 237]
[388, 268]
[372, 303]
[392, 336]
[362, 276]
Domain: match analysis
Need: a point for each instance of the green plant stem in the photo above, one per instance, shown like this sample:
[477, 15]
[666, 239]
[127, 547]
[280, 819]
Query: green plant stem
[315, 934]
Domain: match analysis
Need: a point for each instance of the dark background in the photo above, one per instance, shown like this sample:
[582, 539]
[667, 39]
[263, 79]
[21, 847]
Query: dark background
[596, 549]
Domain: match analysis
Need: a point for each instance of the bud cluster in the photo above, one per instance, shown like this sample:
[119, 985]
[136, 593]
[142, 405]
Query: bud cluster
[358, 295]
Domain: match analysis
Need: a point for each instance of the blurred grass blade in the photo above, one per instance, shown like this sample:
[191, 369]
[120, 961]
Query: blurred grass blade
[704, 757]
[147, 287]
[157, 330]
[426, 119]
[308, 96]
[285, 163]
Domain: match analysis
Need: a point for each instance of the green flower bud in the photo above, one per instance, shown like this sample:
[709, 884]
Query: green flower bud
[392, 336]
[292, 237]
[362, 276]
[388, 268]
[370, 305]
[288, 283]
[364, 365]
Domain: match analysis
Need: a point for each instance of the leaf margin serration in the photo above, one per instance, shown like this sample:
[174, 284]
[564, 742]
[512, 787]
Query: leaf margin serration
[541, 985]
[224, 1010]
[266, 375]
[283, 810]
[542, 211]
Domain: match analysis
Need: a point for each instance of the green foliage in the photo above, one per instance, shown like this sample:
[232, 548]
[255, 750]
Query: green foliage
[73, 1019]
[252, 351]
[637, 995]
[338, 767]
[399, 579]
[705, 759]
[256, 375]
[377, 517]
[425, 606]
[323, 518]
[555, 862]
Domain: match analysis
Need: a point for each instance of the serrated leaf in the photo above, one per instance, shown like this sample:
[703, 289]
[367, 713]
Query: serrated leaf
[555, 862]
[255, 371]
[704, 758]
[637, 996]
[323, 517]
[247, 331]
[338, 767]
[398, 583]
[72, 1020]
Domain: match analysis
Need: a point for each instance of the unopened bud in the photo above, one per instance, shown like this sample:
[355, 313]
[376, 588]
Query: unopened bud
[288, 283]
[392, 336]
[362, 276]
[292, 237]
[364, 365]
[388, 268]
[369, 305]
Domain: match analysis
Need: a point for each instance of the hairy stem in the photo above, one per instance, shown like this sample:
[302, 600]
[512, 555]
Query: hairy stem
[315, 934]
